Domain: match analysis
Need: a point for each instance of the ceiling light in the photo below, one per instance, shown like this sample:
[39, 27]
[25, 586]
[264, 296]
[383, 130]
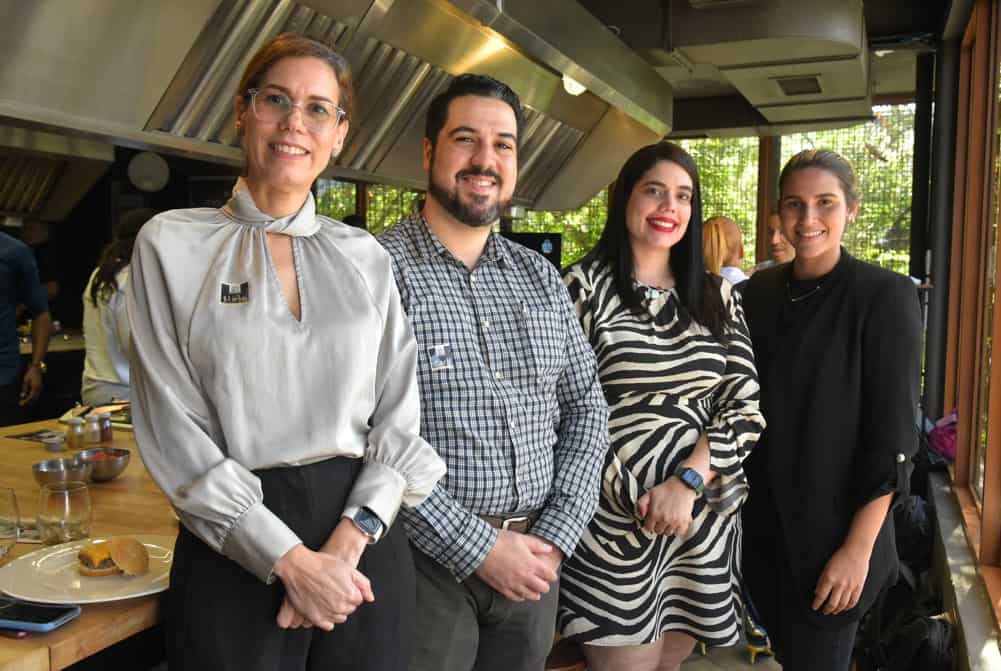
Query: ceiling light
[572, 86]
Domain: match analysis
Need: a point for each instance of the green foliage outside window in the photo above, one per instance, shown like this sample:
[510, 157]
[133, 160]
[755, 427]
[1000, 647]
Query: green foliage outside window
[728, 175]
[880, 151]
[580, 228]
[387, 205]
[335, 199]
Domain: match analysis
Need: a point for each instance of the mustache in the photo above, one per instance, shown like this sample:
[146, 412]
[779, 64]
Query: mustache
[480, 172]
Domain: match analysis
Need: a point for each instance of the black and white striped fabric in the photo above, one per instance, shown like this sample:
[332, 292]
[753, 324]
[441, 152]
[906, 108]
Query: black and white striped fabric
[667, 380]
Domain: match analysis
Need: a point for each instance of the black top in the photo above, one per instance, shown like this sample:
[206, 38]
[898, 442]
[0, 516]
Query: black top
[839, 368]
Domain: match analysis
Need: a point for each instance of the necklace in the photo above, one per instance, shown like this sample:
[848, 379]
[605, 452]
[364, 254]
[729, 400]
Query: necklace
[802, 297]
[651, 293]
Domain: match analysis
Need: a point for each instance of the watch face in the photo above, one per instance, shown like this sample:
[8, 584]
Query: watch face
[368, 522]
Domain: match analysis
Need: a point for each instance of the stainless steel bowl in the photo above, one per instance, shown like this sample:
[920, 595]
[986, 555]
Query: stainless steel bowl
[107, 463]
[61, 470]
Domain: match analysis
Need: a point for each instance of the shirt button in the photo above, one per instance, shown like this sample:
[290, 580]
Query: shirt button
[901, 458]
[472, 279]
[498, 375]
[486, 323]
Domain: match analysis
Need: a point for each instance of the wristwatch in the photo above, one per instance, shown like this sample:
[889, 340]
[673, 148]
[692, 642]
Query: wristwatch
[691, 478]
[41, 366]
[367, 522]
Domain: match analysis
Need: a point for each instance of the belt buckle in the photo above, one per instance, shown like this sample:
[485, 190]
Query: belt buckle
[506, 524]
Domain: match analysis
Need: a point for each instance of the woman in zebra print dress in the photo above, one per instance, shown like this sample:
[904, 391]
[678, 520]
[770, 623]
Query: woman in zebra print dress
[656, 569]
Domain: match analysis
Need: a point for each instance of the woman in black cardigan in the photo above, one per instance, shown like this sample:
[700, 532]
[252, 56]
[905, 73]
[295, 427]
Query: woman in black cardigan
[838, 349]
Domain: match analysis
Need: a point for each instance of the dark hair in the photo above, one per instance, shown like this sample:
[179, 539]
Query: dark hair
[293, 45]
[697, 291]
[470, 85]
[828, 160]
[355, 220]
[117, 254]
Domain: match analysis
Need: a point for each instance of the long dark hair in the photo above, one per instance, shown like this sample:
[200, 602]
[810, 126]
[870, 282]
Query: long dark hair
[697, 291]
[117, 254]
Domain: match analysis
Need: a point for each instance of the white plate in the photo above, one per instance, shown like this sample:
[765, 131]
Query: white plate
[49, 575]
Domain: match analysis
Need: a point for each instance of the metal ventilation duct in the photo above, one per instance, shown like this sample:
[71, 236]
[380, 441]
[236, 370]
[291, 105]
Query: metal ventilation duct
[43, 175]
[392, 90]
[161, 76]
[25, 182]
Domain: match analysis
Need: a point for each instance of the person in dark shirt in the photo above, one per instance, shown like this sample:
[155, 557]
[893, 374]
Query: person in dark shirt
[838, 348]
[19, 284]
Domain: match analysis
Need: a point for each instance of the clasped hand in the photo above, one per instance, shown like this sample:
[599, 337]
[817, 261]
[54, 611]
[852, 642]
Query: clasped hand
[667, 507]
[520, 566]
[323, 588]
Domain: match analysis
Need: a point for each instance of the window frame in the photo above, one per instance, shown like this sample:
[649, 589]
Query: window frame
[974, 208]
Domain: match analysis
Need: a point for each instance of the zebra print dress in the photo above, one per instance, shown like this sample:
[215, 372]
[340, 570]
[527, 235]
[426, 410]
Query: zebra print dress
[667, 381]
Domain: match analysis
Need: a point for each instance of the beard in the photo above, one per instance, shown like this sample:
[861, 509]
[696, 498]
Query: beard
[476, 214]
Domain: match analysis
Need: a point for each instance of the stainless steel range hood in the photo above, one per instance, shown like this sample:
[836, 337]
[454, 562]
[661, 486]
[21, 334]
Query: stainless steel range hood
[162, 76]
[43, 175]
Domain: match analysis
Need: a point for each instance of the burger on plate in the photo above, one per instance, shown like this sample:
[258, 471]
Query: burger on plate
[115, 556]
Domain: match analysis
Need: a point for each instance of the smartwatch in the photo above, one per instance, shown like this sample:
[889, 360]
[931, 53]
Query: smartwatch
[691, 478]
[368, 523]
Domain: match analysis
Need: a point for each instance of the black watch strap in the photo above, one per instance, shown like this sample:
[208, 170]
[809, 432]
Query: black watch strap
[691, 478]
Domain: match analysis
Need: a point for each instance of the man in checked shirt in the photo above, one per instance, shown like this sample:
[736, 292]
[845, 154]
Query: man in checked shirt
[510, 398]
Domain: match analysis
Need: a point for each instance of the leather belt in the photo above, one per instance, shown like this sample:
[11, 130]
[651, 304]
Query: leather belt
[520, 523]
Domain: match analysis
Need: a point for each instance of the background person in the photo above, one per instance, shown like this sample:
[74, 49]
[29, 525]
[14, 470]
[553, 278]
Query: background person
[780, 250]
[724, 249]
[275, 399]
[510, 399]
[19, 284]
[657, 567]
[105, 319]
[714, 250]
[838, 346]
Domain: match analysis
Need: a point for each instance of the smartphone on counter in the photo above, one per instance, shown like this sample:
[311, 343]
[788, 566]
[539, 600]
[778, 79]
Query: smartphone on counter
[27, 616]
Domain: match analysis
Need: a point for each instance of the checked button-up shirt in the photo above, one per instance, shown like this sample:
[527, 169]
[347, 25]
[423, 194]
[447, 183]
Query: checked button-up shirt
[510, 395]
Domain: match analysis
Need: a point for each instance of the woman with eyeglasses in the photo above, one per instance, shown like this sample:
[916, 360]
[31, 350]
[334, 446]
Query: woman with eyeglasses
[275, 399]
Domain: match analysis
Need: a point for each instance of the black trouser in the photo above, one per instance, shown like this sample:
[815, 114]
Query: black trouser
[468, 626]
[222, 618]
[10, 412]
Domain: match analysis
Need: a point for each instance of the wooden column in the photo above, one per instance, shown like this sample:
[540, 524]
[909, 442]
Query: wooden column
[769, 155]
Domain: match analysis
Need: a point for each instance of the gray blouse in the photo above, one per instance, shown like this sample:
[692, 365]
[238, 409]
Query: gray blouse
[226, 381]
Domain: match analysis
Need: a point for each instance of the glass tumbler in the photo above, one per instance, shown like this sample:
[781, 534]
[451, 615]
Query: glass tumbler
[64, 512]
[10, 521]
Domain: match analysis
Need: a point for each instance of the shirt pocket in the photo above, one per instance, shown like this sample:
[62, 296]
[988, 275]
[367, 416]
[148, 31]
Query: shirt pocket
[544, 342]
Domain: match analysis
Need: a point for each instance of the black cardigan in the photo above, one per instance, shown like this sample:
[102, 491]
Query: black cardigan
[839, 373]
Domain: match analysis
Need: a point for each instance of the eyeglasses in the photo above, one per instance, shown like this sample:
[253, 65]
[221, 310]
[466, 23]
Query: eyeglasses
[271, 106]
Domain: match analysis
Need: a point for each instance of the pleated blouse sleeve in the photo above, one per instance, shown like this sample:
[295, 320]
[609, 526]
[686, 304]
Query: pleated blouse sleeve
[737, 422]
[176, 430]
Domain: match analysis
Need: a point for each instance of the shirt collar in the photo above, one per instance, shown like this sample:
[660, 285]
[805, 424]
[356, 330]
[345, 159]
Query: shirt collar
[430, 246]
[242, 208]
